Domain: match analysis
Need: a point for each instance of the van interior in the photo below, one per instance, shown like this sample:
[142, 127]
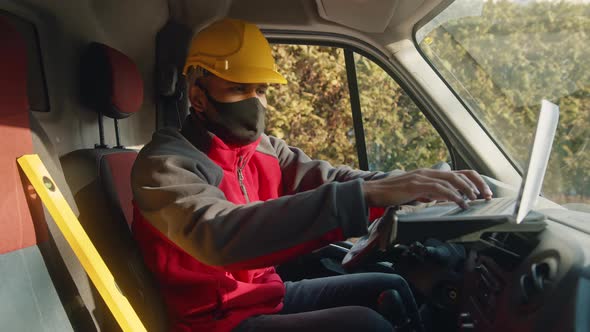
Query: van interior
[86, 83]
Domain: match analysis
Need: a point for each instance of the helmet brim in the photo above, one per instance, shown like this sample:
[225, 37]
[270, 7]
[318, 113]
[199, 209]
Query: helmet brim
[248, 75]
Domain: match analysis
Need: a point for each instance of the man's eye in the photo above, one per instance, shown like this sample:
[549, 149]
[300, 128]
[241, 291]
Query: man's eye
[261, 91]
[238, 89]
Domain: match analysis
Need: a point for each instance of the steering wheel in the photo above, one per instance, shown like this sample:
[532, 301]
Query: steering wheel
[381, 233]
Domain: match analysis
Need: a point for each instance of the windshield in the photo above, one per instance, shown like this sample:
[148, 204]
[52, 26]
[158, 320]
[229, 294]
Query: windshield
[502, 58]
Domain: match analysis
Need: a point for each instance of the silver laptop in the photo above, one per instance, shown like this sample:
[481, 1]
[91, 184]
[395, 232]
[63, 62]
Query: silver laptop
[513, 209]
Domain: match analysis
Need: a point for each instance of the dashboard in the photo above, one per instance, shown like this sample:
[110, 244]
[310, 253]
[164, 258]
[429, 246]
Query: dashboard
[502, 281]
[523, 282]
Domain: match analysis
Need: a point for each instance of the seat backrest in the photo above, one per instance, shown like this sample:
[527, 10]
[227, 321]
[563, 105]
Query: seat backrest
[37, 292]
[100, 180]
[112, 86]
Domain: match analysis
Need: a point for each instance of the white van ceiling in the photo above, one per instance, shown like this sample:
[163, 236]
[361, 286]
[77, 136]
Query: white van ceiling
[363, 15]
[386, 21]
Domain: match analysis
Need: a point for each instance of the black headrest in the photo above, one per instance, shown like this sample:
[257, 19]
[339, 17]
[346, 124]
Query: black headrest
[110, 82]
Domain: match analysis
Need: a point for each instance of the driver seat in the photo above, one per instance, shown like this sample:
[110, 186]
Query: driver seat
[99, 177]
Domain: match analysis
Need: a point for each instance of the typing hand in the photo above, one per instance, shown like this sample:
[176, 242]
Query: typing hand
[425, 185]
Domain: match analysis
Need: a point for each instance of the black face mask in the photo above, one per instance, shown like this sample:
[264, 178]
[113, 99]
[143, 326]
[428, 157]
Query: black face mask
[238, 123]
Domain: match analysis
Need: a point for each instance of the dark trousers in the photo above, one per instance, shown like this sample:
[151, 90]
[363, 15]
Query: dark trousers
[340, 303]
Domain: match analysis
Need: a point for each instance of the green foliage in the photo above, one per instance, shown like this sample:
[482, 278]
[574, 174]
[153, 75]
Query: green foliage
[505, 61]
[313, 112]
[398, 136]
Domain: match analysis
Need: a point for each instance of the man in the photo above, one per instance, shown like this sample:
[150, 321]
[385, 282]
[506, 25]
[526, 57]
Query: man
[219, 203]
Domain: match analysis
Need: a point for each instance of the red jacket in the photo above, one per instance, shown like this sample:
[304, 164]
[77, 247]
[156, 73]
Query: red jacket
[207, 237]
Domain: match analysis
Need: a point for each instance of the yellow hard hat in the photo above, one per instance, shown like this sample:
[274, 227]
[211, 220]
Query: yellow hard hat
[235, 51]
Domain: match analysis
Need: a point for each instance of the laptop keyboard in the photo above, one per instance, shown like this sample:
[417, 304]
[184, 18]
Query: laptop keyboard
[482, 207]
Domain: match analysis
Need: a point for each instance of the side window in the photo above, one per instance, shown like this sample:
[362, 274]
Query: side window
[314, 112]
[397, 135]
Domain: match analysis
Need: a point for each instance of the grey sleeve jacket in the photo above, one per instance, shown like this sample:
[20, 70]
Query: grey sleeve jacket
[178, 188]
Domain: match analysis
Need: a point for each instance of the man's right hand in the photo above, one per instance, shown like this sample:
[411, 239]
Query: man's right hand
[426, 184]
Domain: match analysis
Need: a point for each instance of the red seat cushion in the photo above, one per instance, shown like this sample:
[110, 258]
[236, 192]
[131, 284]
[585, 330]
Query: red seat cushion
[116, 173]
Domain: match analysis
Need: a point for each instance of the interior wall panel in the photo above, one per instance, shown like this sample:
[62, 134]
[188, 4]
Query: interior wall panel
[65, 28]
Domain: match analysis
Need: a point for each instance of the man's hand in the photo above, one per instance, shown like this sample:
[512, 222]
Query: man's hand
[426, 184]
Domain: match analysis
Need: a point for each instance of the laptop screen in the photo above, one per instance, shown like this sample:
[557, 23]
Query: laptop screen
[538, 160]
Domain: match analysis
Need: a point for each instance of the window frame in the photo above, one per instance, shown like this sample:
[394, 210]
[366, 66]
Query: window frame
[375, 55]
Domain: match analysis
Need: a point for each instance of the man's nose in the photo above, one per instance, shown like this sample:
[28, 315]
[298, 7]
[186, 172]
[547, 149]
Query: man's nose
[252, 93]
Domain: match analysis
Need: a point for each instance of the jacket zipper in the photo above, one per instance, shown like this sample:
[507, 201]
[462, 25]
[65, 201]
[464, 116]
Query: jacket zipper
[241, 166]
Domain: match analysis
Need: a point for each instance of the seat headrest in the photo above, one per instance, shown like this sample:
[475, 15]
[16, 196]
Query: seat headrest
[13, 86]
[110, 82]
[38, 99]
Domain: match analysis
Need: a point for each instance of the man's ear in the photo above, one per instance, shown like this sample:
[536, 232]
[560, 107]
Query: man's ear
[197, 98]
